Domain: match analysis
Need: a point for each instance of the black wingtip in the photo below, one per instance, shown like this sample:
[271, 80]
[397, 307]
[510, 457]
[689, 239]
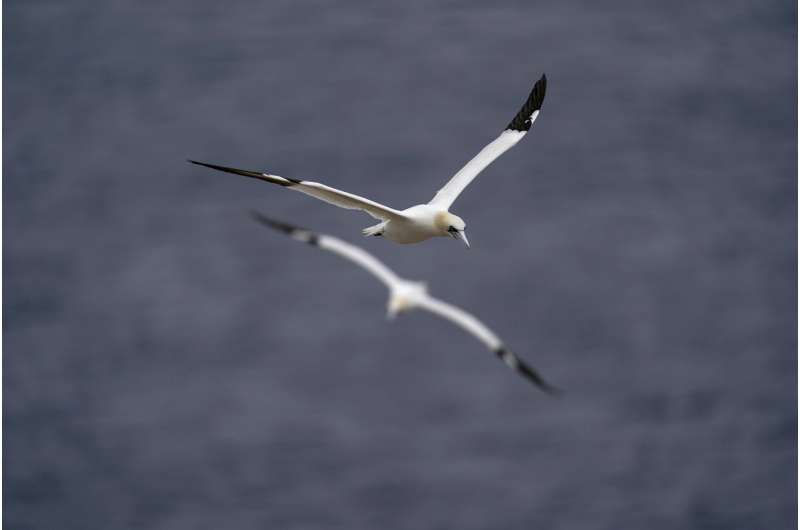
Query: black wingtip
[534, 377]
[204, 164]
[274, 223]
[514, 362]
[294, 231]
[522, 121]
[244, 172]
[540, 383]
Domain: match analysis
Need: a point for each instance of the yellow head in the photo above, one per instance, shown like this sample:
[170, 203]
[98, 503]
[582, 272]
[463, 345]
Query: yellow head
[451, 225]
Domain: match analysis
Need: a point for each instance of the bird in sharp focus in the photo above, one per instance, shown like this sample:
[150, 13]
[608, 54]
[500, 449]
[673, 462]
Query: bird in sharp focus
[423, 221]
[407, 295]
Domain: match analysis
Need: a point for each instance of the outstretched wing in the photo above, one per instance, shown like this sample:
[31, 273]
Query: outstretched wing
[423, 301]
[474, 326]
[350, 252]
[339, 198]
[512, 134]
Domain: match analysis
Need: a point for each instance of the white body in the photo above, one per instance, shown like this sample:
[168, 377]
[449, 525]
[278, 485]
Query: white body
[407, 295]
[423, 221]
[417, 224]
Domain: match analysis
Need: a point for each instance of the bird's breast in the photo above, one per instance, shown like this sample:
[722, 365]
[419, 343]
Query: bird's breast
[413, 229]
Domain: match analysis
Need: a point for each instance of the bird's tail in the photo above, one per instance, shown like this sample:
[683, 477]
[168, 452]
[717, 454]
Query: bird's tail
[375, 230]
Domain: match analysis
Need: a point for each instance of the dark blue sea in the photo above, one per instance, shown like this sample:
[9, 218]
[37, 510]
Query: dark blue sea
[170, 364]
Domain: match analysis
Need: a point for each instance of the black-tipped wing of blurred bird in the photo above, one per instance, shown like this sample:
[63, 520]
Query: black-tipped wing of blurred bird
[350, 252]
[475, 327]
[417, 298]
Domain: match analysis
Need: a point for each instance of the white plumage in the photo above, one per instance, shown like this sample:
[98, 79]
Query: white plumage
[406, 295]
[422, 221]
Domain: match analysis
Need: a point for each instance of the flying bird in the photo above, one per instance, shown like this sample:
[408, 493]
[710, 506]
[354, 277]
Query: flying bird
[423, 221]
[406, 295]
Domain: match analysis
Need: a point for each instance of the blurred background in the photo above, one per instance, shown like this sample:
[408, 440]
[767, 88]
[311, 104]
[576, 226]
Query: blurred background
[171, 364]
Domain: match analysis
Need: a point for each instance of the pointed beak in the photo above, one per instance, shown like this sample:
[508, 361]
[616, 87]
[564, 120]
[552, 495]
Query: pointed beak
[392, 307]
[459, 234]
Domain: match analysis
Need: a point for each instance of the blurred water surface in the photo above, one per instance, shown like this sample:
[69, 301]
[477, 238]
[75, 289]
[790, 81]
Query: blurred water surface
[170, 364]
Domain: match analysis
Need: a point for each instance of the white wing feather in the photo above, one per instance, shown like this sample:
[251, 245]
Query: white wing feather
[335, 245]
[514, 132]
[339, 198]
[461, 318]
[410, 294]
[445, 197]
[346, 200]
[361, 258]
[474, 326]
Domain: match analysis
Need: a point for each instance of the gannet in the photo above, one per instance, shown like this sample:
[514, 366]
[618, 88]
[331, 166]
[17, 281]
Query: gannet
[406, 295]
[423, 221]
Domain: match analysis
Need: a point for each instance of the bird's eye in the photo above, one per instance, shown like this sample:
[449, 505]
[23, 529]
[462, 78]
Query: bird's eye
[452, 229]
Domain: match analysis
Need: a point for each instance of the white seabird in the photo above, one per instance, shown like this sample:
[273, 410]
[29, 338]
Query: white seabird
[422, 221]
[406, 295]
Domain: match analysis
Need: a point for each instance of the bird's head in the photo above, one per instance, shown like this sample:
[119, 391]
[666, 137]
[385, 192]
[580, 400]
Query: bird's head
[452, 225]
